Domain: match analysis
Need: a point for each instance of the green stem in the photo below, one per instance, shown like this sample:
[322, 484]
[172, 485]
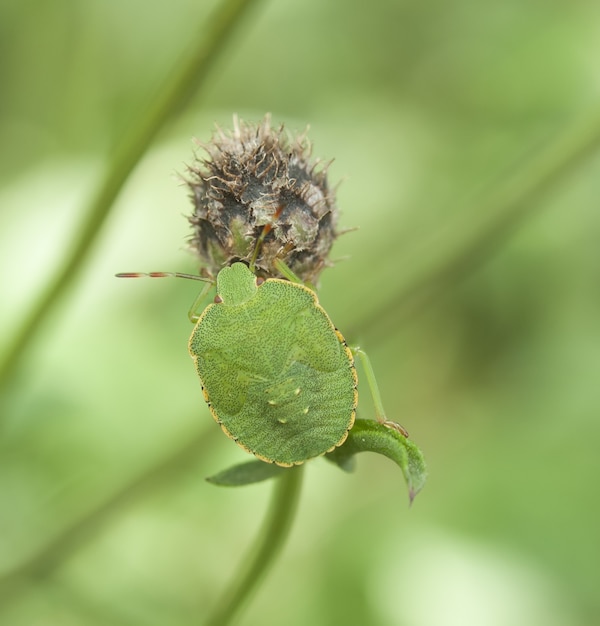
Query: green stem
[44, 562]
[185, 79]
[273, 534]
[458, 248]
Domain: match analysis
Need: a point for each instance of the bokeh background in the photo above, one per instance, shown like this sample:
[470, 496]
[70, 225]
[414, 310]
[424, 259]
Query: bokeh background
[485, 338]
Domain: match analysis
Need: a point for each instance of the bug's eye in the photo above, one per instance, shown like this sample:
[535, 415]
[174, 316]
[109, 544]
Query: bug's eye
[259, 281]
[218, 299]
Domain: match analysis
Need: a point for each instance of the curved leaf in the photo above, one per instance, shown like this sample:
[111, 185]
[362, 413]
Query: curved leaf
[371, 436]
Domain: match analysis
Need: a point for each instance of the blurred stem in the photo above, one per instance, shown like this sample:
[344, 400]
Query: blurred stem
[276, 527]
[463, 245]
[187, 76]
[48, 557]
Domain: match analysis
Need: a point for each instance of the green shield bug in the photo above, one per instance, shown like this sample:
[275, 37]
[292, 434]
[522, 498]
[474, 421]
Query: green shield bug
[275, 372]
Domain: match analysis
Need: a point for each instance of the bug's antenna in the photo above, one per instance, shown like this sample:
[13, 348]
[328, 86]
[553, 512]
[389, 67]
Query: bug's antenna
[193, 312]
[162, 275]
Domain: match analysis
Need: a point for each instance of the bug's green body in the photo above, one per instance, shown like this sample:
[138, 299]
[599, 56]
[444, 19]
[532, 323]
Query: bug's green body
[275, 372]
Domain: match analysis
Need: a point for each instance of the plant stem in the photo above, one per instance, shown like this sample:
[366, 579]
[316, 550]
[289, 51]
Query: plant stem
[187, 76]
[44, 562]
[273, 534]
[465, 243]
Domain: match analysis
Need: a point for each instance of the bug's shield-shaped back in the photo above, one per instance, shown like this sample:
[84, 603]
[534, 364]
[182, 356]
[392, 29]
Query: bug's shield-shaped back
[276, 374]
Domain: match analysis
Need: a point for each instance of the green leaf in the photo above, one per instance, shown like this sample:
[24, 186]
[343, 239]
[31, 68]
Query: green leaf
[371, 436]
[246, 474]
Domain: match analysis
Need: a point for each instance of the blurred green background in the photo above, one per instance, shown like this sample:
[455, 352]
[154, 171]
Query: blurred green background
[485, 338]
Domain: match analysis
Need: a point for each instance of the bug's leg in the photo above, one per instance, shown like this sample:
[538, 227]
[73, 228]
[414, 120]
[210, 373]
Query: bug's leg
[286, 271]
[197, 304]
[265, 231]
[374, 388]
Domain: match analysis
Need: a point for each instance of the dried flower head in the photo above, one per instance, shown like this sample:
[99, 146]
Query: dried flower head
[259, 198]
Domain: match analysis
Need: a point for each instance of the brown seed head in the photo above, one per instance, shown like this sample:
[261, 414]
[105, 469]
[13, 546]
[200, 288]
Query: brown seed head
[259, 194]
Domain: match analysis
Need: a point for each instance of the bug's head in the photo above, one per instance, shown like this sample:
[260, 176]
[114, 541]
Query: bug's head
[236, 284]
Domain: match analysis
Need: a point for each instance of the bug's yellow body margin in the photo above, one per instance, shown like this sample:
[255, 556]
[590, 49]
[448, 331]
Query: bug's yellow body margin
[349, 359]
